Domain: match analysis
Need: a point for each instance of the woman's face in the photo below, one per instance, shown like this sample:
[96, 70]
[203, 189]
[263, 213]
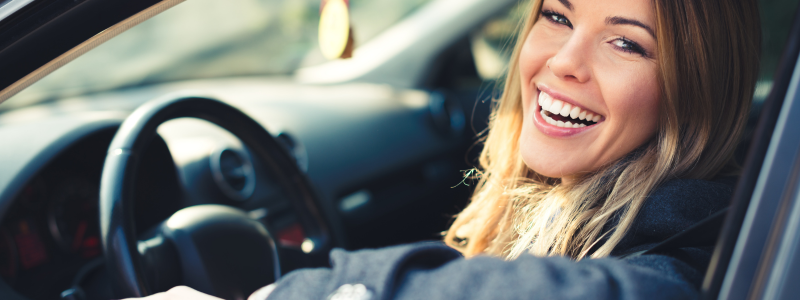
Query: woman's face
[590, 92]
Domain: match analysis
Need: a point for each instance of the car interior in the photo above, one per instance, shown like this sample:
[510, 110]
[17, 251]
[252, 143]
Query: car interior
[365, 152]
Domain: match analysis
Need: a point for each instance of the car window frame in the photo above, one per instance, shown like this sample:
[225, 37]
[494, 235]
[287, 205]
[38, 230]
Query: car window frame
[751, 236]
[45, 35]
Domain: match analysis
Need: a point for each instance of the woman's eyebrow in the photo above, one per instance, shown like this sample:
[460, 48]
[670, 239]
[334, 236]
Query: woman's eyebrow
[625, 21]
[567, 4]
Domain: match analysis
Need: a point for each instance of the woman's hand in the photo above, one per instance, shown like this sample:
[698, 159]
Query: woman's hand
[185, 292]
[262, 293]
[179, 293]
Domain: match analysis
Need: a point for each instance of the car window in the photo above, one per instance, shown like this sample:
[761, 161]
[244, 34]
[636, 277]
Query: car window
[776, 20]
[211, 39]
[493, 42]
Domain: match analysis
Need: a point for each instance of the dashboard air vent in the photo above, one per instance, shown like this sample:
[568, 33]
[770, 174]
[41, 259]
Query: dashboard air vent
[233, 172]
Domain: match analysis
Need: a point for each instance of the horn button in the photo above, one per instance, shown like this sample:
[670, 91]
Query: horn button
[215, 249]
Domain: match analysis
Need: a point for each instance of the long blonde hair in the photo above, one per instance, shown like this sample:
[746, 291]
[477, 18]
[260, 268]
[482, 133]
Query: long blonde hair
[707, 66]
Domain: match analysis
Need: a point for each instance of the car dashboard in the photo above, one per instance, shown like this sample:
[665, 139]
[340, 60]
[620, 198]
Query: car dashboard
[51, 228]
[385, 164]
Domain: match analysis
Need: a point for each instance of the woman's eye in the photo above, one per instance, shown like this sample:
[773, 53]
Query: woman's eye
[556, 18]
[629, 46]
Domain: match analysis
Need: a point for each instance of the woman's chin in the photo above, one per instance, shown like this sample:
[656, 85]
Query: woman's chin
[544, 166]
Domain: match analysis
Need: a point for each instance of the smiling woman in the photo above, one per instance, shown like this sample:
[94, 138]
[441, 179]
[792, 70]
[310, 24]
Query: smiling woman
[607, 106]
[616, 130]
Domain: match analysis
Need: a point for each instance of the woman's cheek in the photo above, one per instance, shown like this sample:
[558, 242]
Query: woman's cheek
[640, 108]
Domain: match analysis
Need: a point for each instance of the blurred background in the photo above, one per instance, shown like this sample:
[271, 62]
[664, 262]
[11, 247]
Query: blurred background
[200, 39]
[385, 137]
[452, 50]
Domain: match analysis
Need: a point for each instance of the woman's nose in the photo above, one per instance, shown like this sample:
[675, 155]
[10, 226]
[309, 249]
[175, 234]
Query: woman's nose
[571, 61]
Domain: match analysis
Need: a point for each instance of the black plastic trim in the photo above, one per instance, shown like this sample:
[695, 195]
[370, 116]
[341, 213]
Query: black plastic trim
[41, 32]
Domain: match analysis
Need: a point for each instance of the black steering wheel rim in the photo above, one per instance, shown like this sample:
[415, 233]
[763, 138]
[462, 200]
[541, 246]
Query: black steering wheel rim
[119, 239]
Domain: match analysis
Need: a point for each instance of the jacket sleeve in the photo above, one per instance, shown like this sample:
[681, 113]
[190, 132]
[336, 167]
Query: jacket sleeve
[434, 271]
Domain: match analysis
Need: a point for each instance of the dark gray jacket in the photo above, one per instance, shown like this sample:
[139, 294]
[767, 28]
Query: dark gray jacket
[434, 271]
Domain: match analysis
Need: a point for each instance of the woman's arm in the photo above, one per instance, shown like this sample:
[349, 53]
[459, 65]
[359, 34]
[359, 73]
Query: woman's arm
[434, 271]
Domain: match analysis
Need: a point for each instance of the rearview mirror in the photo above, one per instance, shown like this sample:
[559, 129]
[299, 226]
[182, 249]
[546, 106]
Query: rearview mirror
[335, 32]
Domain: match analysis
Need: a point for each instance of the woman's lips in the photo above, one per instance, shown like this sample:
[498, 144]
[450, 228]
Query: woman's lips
[557, 118]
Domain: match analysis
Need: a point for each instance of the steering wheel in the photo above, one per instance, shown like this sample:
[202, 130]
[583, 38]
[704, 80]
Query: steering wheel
[215, 249]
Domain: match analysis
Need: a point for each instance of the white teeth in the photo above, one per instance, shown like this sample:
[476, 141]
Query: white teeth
[547, 119]
[541, 100]
[558, 107]
[545, 101]
[575, 112]
[563, 124]
[565, 110]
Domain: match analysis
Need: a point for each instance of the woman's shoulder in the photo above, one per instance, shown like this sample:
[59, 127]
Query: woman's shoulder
[674, 206]
[689, 198]
[720, 187]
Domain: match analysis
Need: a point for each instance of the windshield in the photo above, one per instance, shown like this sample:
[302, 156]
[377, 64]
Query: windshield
[210, 39]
